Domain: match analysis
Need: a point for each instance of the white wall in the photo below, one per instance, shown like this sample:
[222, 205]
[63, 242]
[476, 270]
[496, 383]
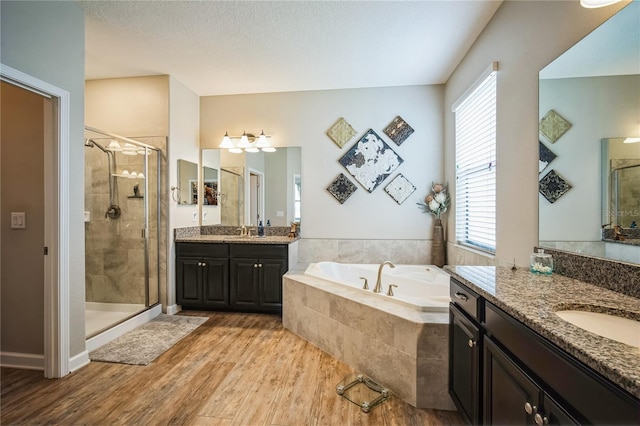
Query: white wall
[184, 143]
[598, 108]
[523, 36]
[303, 118]
[46, 41]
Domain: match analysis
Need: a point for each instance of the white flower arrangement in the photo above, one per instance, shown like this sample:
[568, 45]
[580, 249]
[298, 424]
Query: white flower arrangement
[437, 202]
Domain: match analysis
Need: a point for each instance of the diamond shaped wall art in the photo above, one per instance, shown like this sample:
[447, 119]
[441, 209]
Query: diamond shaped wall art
[546, 156]
[370, 160]
[400, 188]
[552, 126]
[342, 188]
[341, 132]
[398, 131]
[553, 186]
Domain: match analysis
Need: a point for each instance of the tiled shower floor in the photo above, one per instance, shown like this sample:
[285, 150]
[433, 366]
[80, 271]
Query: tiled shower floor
[100, 316]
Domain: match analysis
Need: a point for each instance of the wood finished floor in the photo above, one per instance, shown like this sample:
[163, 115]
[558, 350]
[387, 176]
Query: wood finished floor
[235, 369]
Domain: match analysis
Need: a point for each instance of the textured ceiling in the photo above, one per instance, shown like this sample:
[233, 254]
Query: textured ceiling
[234, 47]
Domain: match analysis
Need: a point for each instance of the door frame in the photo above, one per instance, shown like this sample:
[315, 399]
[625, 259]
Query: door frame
[259, 195]
[57, 224]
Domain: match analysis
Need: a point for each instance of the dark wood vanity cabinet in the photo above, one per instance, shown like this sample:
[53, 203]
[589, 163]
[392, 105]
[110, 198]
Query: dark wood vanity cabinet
[509, 374]
[256, 277]
[237, 277]
[202, 275]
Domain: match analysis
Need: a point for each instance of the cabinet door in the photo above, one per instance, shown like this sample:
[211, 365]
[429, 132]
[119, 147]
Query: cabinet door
[510, 397]
[188, 281]
[215, 283]
[244, 284]
[553, 414]
[271, 272]
[464, 365]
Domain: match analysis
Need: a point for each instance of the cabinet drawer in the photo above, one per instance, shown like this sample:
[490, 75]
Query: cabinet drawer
[259, 250]
[466, 299]
[202, 249]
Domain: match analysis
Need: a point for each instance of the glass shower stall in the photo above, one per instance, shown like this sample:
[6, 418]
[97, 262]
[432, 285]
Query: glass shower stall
[122, 228]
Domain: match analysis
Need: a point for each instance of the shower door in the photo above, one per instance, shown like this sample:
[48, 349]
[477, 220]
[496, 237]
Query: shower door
[121, 232]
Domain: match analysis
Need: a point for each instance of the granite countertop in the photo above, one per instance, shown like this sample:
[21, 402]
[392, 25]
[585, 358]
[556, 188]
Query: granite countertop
[628, 241]
[236, 239]
[532, 299]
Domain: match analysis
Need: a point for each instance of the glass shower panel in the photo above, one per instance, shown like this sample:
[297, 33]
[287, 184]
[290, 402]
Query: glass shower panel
[153, 234]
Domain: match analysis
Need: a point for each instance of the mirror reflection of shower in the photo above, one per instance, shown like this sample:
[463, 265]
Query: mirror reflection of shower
[122, 227]
[625, 194]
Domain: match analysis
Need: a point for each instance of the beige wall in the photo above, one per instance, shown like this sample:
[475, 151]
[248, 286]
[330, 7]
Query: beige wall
[303, 118]
[523, 36]
[46, 40]
[22, 182]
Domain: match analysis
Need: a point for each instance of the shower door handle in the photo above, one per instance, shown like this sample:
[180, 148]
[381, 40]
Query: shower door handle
[143, 233]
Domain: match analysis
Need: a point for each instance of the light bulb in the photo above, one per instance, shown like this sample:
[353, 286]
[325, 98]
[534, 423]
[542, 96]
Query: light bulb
[226, 141]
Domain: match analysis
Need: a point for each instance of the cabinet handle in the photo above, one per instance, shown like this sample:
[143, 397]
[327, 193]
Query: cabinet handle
[259, 265]
[541, 420]
[471, 343]
[255, 265]
[462, 296]
[199, 263]
[530, 409]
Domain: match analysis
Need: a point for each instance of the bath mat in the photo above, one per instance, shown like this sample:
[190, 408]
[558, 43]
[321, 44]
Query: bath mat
[145, 343]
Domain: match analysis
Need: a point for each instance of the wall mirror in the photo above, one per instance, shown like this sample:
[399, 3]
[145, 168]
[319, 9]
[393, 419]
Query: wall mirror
[594, 87]
[187, 182]
[254, 187]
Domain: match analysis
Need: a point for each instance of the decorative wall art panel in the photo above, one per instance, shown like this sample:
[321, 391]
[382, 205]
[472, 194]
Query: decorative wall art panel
[398, 131]
[546, 156]
[341, 132]
[370, 160]
[400, 188]
[552, 126]
[342, 188]
[553, 186]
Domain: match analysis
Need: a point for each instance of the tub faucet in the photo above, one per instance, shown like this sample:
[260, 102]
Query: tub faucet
[378, 287]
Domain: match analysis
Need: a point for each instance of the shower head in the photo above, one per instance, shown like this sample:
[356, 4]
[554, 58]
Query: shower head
[91, 144]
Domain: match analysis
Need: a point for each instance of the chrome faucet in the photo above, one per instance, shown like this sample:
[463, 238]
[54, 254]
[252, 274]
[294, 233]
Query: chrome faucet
[378, 287]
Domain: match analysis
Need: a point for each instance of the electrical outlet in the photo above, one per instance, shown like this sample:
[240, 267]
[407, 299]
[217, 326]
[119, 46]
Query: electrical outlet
[195, 216]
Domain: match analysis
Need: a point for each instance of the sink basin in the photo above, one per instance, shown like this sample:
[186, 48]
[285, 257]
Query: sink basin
[612, 327]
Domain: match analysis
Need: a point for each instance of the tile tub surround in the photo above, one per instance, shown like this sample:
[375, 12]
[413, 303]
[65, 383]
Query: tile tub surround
[532, 299]
[400, 348]
[407, 252]
[621, 277]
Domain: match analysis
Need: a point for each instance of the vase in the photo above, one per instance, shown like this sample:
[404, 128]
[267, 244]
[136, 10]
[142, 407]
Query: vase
[437, 245]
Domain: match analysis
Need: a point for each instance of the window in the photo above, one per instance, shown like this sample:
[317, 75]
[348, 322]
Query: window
[475, 141]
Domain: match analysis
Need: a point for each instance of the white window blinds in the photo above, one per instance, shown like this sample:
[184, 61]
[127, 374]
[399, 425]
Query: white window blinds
[475, 139]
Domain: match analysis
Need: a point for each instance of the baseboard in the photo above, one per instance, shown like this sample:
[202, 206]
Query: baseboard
[79, 361]
[120, 329]
[173, 309]
[22, 361]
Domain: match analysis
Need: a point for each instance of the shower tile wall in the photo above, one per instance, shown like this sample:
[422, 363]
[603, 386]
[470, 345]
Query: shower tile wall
[114, 248]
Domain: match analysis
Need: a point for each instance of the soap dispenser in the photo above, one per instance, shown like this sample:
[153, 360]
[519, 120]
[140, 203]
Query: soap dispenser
[541, 263]
[260, 230]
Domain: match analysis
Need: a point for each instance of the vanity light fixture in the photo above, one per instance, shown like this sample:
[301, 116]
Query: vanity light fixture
[246, 143]
[631, 140]
[592, 4]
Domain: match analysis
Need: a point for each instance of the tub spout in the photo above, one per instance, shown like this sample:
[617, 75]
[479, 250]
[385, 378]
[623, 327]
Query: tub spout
[378, 287]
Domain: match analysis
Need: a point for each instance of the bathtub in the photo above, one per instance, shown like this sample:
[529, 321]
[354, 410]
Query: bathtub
[421, 287]
[400, 341]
